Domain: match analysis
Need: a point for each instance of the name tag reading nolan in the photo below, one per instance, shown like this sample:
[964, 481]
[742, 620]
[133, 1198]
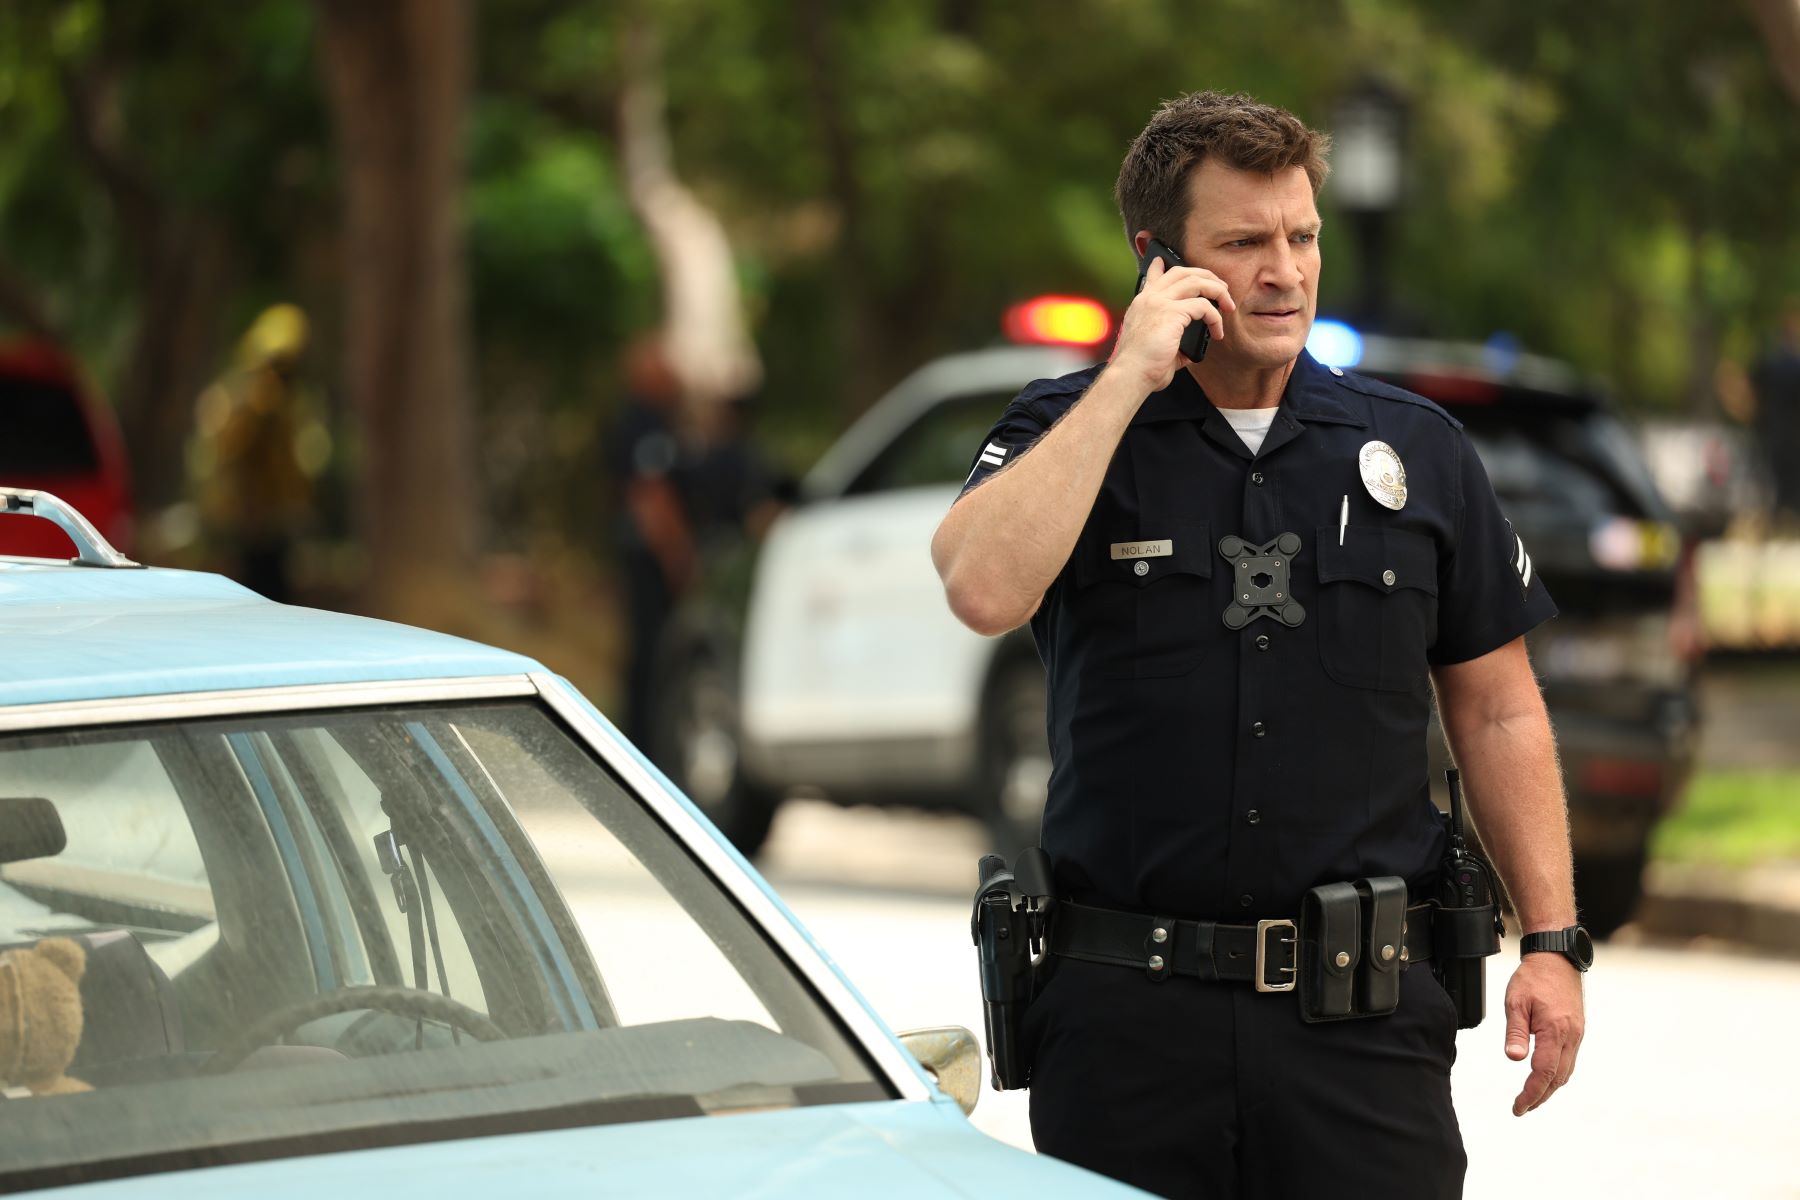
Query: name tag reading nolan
[1161, 549]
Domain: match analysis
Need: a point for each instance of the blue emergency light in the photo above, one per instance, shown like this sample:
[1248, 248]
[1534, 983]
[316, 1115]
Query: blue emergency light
[1335, 344]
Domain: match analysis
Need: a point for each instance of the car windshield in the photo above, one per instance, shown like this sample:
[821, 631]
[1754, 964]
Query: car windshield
[934, 450]
[316, 932]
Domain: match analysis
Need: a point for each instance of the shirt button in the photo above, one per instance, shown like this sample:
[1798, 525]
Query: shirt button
[1246, 900]
[1258, 728]
[1253, 816]
[1262, 641]
[1387, 577]
[1256, 478]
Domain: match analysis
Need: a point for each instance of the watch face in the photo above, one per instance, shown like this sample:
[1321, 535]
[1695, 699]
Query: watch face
[1583, 945]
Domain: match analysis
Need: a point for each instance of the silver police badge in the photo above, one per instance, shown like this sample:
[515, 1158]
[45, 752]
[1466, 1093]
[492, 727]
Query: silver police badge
[1383, 474]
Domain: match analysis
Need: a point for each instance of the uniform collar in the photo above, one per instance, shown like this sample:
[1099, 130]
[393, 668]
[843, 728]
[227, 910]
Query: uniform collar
[1311, 395]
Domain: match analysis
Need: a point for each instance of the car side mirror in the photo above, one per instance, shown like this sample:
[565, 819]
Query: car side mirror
[29, 828]
[953, 1057]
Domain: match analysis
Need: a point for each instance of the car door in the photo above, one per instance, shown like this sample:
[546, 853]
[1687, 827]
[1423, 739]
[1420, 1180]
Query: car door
[849, 638]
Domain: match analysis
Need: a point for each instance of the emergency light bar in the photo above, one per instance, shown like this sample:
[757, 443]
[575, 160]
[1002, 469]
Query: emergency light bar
[1058, 321]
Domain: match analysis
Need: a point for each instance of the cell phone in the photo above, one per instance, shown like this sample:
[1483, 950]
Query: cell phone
[1197, 337]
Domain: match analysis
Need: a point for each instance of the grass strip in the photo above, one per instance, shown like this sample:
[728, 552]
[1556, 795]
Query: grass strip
[1734, 818]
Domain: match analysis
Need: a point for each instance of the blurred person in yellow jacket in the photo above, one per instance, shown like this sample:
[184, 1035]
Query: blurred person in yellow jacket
[258, 452]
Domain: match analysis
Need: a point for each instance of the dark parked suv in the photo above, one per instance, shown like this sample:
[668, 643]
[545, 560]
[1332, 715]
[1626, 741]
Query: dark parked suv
[1617, 666]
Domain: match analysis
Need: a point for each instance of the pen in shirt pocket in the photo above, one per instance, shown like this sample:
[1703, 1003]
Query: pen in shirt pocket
[1343, 517]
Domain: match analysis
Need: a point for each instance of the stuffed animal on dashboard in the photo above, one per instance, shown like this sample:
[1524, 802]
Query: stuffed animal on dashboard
[40, 1017]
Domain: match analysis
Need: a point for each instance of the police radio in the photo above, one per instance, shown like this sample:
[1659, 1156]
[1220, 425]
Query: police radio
[1467, 926]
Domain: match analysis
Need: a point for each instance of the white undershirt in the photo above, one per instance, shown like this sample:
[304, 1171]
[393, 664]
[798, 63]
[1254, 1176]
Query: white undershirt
[1252, 424]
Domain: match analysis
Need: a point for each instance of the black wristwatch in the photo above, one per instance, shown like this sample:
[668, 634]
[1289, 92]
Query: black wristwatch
[1572, 943]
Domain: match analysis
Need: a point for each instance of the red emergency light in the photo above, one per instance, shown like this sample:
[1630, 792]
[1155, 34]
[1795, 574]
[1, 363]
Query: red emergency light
[1058, 321]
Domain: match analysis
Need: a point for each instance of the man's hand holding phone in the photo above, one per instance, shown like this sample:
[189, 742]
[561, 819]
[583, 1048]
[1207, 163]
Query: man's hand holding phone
[1171, 298]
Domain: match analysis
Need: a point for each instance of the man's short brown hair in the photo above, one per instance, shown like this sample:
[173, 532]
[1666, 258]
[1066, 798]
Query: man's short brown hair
[1152, 192]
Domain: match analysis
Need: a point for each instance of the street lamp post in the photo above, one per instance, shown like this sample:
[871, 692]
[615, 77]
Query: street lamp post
[1368, 167]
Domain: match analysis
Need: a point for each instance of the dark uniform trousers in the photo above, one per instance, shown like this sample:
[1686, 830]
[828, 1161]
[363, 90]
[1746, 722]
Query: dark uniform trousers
[1212, 1090]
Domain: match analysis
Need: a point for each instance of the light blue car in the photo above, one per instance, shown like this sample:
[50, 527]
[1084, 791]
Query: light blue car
[363, 910]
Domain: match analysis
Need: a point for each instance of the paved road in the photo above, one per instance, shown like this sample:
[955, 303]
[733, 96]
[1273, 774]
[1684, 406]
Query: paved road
[1689, 1082]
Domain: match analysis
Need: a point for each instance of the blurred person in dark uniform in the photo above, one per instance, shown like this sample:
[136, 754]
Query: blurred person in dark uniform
[1776, 380]
[658, 556]
[257, 452]
[732, 490]
[693, 489]
[1247, 573]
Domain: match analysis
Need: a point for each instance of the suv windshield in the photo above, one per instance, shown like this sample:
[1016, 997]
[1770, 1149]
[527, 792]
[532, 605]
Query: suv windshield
[935, 449]
[323, 931]
[1553, 469]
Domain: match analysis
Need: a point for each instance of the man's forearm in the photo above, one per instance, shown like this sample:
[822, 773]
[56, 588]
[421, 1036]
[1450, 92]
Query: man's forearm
[1514, 782]
[1003, 544]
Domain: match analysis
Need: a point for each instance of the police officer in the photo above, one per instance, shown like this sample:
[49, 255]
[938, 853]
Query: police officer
[1216, 758]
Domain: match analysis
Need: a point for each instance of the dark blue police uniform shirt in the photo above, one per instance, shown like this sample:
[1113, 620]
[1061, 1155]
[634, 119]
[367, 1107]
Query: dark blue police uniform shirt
[1201, 771]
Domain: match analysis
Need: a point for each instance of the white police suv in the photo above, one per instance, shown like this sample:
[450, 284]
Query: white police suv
[841, 669]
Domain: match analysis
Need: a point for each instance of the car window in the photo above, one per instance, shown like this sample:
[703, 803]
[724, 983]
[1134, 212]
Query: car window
[307, 932]
[45, 430]
[935, 449]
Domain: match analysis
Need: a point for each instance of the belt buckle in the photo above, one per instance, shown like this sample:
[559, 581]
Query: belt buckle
[1262, 955]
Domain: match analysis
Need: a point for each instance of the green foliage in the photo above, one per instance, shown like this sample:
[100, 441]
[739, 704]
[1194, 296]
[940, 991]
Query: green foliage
[1612, 183]
[214, 117]
[556, 258]
[1734, 818]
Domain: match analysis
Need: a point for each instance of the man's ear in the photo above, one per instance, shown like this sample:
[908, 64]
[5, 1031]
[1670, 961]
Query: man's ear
[1139, 240]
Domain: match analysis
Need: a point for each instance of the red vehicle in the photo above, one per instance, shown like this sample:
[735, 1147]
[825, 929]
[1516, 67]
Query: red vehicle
[57, 435]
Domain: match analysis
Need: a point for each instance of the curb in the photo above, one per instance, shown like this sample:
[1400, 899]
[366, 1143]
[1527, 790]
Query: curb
[1757, 907]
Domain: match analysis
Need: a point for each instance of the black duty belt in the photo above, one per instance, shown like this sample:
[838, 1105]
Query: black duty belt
[1265, 954]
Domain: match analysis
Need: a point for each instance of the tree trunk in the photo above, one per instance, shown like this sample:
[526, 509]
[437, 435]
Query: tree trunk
[396, 74]
[861, 344]
[19, 303]
[182, 259]
[174, 352]
[1779, 23]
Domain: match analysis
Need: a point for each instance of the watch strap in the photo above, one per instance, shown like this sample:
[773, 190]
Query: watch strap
[1555, 941]
[1567, 942]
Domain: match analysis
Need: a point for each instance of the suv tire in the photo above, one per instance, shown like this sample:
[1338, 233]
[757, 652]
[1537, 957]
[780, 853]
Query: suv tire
[697, 742]
[1607, 890]
[1013, 776]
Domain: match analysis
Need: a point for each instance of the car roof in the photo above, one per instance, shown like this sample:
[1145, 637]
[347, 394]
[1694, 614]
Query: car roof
[1460, 372]
[1447, 371]
[996, 369]
[93, 633]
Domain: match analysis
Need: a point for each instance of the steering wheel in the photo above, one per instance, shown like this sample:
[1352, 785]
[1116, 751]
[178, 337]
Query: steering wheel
[401, 1001]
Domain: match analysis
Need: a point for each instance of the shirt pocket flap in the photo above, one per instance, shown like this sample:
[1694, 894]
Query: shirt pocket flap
[1385, 559]
[1145, 553]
